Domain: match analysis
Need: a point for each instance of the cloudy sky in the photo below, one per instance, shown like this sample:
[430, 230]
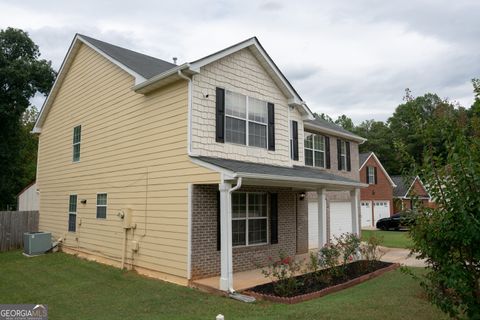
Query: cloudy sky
[354, 58]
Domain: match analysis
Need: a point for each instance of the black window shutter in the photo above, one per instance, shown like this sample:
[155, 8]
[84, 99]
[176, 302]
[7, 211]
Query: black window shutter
[349, 163]
[339, 152]
[271, 126]
[295, 140]
[368, 176]
[218, 222]
[375, 175]
[327, 152]
[273, 218]
[220, 115]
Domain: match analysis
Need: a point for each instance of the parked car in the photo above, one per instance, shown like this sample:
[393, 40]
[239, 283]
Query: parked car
[398, 221]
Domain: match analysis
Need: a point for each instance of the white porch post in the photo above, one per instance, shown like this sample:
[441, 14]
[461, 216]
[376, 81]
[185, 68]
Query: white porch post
[322, 217]
[226, 276]
[355, 200]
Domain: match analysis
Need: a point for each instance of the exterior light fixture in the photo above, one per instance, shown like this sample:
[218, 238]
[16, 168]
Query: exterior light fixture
[302, 195]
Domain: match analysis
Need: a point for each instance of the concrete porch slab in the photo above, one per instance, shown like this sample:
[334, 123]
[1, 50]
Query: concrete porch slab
[241, 280]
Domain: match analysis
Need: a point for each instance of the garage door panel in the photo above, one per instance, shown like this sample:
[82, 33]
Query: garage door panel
[381, 209]
[340, 218]
[313, 223]
[366, 213]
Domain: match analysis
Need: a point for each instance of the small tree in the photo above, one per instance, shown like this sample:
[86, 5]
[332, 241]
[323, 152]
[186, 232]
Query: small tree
[448, 236]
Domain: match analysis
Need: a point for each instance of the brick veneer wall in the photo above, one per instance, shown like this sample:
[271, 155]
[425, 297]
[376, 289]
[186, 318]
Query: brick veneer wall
[206, 258]
[383, 190]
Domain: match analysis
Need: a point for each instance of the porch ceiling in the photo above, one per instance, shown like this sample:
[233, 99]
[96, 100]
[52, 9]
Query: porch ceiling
[270, 175]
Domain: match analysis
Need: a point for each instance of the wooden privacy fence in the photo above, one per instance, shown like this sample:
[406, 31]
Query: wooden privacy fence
[12, 226]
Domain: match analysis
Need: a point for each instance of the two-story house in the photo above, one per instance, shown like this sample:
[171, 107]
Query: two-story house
[187, 171]
[376, 201]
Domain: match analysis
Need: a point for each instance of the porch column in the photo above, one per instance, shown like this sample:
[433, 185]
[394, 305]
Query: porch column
[322, 218]
[355, 198]
[226, 273]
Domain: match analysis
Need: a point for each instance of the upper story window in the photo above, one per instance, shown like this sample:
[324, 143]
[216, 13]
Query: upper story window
[246, 120]
[101, 205]
[249, 218]
[371, 175]
[77, 139]
[343, 154]
[315, 151]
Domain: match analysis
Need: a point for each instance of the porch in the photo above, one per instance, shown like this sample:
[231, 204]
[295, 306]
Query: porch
[257, 212]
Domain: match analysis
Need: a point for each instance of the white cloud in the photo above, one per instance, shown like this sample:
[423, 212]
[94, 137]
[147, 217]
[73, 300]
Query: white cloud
[353, 58]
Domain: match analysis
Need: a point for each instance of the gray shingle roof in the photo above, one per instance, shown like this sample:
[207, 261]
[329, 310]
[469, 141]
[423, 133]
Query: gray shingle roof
[331, 126]
[142, 64]
[401, 189]
[362, 157]
[266, 169]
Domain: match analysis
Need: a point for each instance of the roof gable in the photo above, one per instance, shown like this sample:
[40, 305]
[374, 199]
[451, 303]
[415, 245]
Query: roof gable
[402, 190]
[151, 73]
[364, 157]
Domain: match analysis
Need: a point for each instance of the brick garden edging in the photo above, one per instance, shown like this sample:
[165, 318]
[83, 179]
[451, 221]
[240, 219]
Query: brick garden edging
[323, 292]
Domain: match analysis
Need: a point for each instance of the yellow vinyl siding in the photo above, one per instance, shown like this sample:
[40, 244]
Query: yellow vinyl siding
[134, 148]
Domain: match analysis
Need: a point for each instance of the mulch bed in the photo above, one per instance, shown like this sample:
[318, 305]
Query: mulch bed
[356, 272]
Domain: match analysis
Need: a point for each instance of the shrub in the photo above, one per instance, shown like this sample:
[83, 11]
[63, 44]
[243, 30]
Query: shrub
[283, 273]
[349, 246]
[329, 257]
[370, 250]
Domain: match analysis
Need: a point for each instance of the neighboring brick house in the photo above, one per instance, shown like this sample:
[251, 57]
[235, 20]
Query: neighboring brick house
[410, 193]
[189, 171]
[377, 199]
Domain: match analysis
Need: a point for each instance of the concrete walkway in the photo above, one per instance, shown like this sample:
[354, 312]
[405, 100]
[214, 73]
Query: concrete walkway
[402, 256]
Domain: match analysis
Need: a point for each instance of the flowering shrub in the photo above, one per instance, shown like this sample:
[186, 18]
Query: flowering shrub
[329, 257]
[282, 272]
[349, 246]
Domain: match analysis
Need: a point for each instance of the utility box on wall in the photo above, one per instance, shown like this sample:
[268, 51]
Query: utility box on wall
[35, 243]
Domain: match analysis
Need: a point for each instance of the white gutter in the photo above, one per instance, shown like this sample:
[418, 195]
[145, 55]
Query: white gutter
[189, 119]
[334, 132]
[230, 250]
[160, 76]
[297, 179]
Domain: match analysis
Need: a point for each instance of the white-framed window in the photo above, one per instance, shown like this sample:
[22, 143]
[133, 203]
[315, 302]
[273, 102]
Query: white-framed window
[371, 175]
[315, 154]
[72, 213]
[77, 139]
[101, 205]
[246, 120]
[249, 218]
[343, 154]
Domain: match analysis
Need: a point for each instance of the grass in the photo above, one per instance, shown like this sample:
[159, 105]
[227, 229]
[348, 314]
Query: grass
[78, 289]
[392, 239]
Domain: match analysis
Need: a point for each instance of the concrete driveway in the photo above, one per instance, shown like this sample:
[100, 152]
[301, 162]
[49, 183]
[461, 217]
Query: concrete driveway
[401, 256]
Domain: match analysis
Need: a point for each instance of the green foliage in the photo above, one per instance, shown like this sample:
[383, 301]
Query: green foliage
[448, 236]
[23, 75]
[370, 250]
[283, 272]
[349, 246]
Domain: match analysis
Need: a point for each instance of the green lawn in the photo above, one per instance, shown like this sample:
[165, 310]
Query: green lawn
[392, 239]
[78, 289]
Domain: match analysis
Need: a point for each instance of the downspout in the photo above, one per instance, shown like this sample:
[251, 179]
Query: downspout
[229, 241]
[189, 119]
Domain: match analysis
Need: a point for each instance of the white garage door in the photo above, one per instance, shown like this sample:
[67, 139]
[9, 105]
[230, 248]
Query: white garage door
[381, 209]
[313, 223]
[340, 218]
[366, 211]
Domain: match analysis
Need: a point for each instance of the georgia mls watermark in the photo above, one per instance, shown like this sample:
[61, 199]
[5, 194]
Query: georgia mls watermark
[23, 312]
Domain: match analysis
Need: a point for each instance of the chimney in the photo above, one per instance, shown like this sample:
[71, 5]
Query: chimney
[174, 60]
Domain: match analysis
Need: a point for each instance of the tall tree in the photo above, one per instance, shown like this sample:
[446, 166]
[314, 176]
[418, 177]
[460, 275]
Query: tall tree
[22, 75]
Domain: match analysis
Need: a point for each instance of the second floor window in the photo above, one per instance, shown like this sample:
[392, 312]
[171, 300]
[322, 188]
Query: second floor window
[343, 155]
[77, 139]
[371, 175]
[246, 120]
[314, 150]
